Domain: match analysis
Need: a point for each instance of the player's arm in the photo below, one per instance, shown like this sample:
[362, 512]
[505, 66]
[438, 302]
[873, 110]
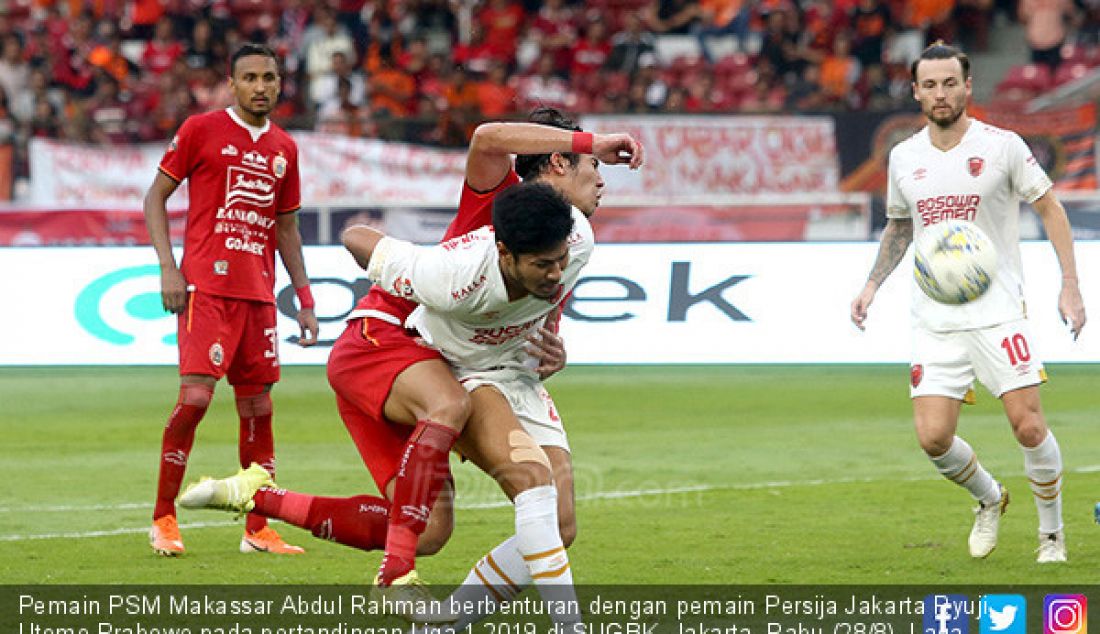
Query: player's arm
[490, 156]
[290, 248]
[1056, 224]
[401, 268]
[173, 288]
[895, 240]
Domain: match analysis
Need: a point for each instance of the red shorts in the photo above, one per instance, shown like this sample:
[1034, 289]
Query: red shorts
[362, 367]
[221, 336]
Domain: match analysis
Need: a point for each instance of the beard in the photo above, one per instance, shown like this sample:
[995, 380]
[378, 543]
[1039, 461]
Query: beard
[945, 120]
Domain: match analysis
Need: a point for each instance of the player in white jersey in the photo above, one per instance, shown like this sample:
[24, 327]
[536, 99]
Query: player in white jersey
[480, 296]
[958, 167]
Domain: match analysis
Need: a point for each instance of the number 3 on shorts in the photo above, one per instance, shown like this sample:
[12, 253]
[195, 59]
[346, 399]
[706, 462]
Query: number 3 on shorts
[1016, 347]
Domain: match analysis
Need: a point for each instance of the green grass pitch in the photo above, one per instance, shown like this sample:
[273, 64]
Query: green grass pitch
[724, 475]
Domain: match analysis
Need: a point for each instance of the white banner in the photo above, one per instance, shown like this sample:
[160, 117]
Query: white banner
[334, 169]
[675, 303]
[725, 155]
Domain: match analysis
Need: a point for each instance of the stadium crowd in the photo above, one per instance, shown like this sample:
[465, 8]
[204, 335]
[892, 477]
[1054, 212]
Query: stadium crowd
[123, 71]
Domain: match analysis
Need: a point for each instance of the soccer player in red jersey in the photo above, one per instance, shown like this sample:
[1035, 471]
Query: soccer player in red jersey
[244, 192]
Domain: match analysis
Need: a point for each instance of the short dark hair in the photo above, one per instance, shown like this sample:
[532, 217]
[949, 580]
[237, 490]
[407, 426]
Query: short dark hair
[939, 50]
[531, 218]
[530, 166]
[251, 48]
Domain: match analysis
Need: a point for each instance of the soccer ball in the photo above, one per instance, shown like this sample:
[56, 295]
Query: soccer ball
[954, 261]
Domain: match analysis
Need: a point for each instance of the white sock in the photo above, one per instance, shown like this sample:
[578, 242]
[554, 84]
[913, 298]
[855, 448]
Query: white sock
[497, 578]
[1043, 467]
[539, 542]
[960, 465]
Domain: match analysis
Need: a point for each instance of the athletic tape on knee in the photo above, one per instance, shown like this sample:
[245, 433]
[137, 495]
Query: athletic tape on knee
[524, 449]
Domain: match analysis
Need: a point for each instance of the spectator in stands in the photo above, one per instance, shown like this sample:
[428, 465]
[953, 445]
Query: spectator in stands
[544, 88]
[323, 38]
[200, 53]
[629, 45]
[720, 18]
[870, 21]
[672, 16]
[15, 72]
[806, 93]
[780, 47]
[932, 18]
[211, 91]
[109, 58]
[1088, 33]
[656, 89]
[463, 108]
[435, 21]
[326, 86]
[391, 89]
[496, 97]
[592, 51]
[163, 50]
[43, 122]
[766, 96]
[71, 66]
[502, 21]
[108, 114]
[478, 56]
[553, 32]
[1046, 24]
[340, 114]
[144, 14]
[973, 18]
[839, 71]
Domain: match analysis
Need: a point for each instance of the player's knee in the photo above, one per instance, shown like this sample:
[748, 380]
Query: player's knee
[1030, 430]
[935, 446]
[196, 395]
[253, 400]
[451, 408]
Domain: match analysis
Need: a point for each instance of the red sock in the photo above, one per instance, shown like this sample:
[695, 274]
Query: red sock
[175, 445]
[359, 521]
[424, 469]
[257, 444]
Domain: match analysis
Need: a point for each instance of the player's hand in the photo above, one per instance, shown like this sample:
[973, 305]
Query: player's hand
[614, 149]
[1072, 307]
[173, 290]
[549, 349]
[861, 303]
[307, 321]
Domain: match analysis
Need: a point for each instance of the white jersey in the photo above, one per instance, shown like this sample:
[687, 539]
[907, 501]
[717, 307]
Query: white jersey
[982, 180]
[464, 309]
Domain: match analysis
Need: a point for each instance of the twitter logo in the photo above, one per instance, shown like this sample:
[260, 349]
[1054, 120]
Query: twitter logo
[1003, 614]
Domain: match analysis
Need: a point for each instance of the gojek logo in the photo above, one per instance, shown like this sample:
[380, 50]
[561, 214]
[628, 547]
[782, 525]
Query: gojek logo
[125, 298]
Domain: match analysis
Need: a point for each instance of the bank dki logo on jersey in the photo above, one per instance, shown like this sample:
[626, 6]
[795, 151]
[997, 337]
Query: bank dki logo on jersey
[112, 307]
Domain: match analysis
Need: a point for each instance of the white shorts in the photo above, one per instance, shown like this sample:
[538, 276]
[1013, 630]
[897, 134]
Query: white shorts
[530, 402]
[1002, 357]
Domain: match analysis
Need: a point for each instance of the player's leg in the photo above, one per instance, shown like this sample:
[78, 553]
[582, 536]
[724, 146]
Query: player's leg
[427, 395]
[498, 445]
[252, 371]
[502, 574]
[198, 333]
[942, 375]
[1007, 365]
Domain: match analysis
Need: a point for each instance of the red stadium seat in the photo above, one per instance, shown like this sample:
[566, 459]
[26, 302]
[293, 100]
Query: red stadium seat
[1027, 77]
[1071, 72]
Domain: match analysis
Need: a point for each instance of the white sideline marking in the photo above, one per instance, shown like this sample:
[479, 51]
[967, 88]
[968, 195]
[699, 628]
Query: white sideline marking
[601, 495]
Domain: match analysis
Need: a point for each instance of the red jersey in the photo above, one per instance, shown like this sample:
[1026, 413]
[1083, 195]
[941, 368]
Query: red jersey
[241, 178]
[475, 210]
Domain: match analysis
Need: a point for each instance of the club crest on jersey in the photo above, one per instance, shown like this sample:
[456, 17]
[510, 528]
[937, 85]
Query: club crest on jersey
[217, 354]
[403, 287]
[221, 267]
[975, 164]
[916, 373]
[278, 166]
[919, 174]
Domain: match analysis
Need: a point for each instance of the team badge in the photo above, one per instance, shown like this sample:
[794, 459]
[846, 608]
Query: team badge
[916, 373]
[403, 287]
[976, 164]
[221, 267]
[919, 174]
[217, 354]
[278, 166]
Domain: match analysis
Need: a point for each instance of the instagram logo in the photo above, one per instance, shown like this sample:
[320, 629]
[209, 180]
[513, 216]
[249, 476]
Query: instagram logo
[1065, 614]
